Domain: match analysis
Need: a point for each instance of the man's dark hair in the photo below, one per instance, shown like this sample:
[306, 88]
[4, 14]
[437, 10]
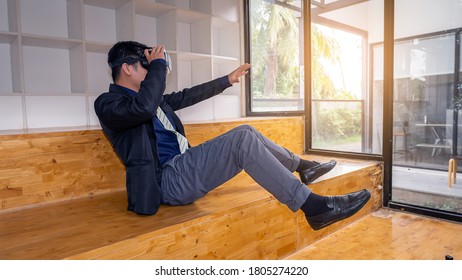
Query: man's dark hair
[124, 52]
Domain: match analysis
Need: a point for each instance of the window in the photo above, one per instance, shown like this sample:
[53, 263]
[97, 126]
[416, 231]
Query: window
[346, 103]
[276, 55]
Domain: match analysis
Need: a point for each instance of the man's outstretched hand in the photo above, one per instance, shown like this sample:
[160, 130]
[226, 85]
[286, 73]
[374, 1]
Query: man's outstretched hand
[239, 72]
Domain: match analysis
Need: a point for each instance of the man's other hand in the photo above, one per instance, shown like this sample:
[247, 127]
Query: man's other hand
[239, 72]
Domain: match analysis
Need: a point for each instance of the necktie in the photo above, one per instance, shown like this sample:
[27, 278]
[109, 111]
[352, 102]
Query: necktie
[182, 141]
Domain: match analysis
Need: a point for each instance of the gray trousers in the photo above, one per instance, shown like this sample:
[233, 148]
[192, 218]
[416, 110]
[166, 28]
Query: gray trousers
[190, 176]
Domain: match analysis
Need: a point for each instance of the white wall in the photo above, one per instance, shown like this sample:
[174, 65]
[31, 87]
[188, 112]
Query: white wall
[426, 16]
[412, 17]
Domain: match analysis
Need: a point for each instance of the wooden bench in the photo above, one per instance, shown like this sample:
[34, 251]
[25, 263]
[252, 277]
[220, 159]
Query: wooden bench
[62, 196]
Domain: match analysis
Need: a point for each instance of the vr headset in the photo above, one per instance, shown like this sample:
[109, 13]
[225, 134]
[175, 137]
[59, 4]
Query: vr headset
[143, 60]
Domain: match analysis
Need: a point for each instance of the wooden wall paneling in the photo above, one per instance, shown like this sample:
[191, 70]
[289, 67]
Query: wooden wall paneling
[39, 168]
[48, 167]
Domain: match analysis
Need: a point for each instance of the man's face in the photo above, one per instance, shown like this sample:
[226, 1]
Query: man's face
[138, 74]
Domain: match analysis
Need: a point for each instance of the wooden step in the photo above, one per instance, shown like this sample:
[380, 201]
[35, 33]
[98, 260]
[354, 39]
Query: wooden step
[238, 220]
[46, 167]
[388, 235]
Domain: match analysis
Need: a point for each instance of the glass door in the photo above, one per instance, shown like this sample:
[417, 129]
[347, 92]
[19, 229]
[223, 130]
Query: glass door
[426, 115]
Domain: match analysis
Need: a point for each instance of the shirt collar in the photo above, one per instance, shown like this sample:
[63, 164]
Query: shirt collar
[130, 91]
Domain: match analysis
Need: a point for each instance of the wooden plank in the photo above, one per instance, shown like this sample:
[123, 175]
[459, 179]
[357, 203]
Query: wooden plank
[389, 235]
[239, 220]
[49, 167]
[264, 230]
[287, 131]
[248, 233]
[55, 231]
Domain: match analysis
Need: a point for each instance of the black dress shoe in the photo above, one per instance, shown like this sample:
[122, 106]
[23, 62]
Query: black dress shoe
[307, 176]
[343, 206]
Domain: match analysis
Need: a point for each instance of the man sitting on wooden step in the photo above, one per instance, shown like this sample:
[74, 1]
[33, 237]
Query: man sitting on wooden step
[162, 168]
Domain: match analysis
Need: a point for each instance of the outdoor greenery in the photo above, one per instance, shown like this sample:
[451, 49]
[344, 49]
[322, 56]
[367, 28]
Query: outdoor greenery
[343, 123]
[450, 204]
[276, 71]
[275, 50]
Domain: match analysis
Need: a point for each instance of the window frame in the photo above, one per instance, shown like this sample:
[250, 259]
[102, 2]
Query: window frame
[247, 55]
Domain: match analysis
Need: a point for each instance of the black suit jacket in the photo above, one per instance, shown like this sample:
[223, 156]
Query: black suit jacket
[126, 121]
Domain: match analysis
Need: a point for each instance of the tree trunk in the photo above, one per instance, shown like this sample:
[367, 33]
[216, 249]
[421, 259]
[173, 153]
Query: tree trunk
[270, 73]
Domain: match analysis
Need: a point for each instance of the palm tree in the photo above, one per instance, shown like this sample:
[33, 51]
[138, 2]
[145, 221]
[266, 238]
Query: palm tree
[275, 50]
[323, 48]
[275, 47]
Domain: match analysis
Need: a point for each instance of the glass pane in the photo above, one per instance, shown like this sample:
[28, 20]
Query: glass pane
[277, 62]
[345, 123]
[377, 98]
[347, 97]
[425, 111]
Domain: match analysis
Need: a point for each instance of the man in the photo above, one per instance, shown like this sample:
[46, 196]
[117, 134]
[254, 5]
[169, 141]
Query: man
[162, 168]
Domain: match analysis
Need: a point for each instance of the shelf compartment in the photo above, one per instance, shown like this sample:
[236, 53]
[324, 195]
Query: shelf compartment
[109, 25]
[203, 6]
[54, 18]
[227, 106]
[152, 9]
[146, 29]
[195, 37]
[93, 118]
[10, 73]
[56, 111]
[8, 19]
[172, 77]
[193, 72]
[225, 37]
[226, 9]
[222, 67]
[176, 3]
[11, 106]
[98, 72]
[53, 70]
[202, 111]
[6, 77]
[189, 16]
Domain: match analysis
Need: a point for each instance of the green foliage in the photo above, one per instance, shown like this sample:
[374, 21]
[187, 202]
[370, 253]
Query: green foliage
[275, 50]
[450, 204]
[338, 123]
[276, 72]
[323, 48]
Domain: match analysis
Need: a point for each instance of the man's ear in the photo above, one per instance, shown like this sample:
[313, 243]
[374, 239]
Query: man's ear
[125, 68]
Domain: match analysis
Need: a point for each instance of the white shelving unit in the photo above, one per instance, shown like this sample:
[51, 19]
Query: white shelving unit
[54, 54]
